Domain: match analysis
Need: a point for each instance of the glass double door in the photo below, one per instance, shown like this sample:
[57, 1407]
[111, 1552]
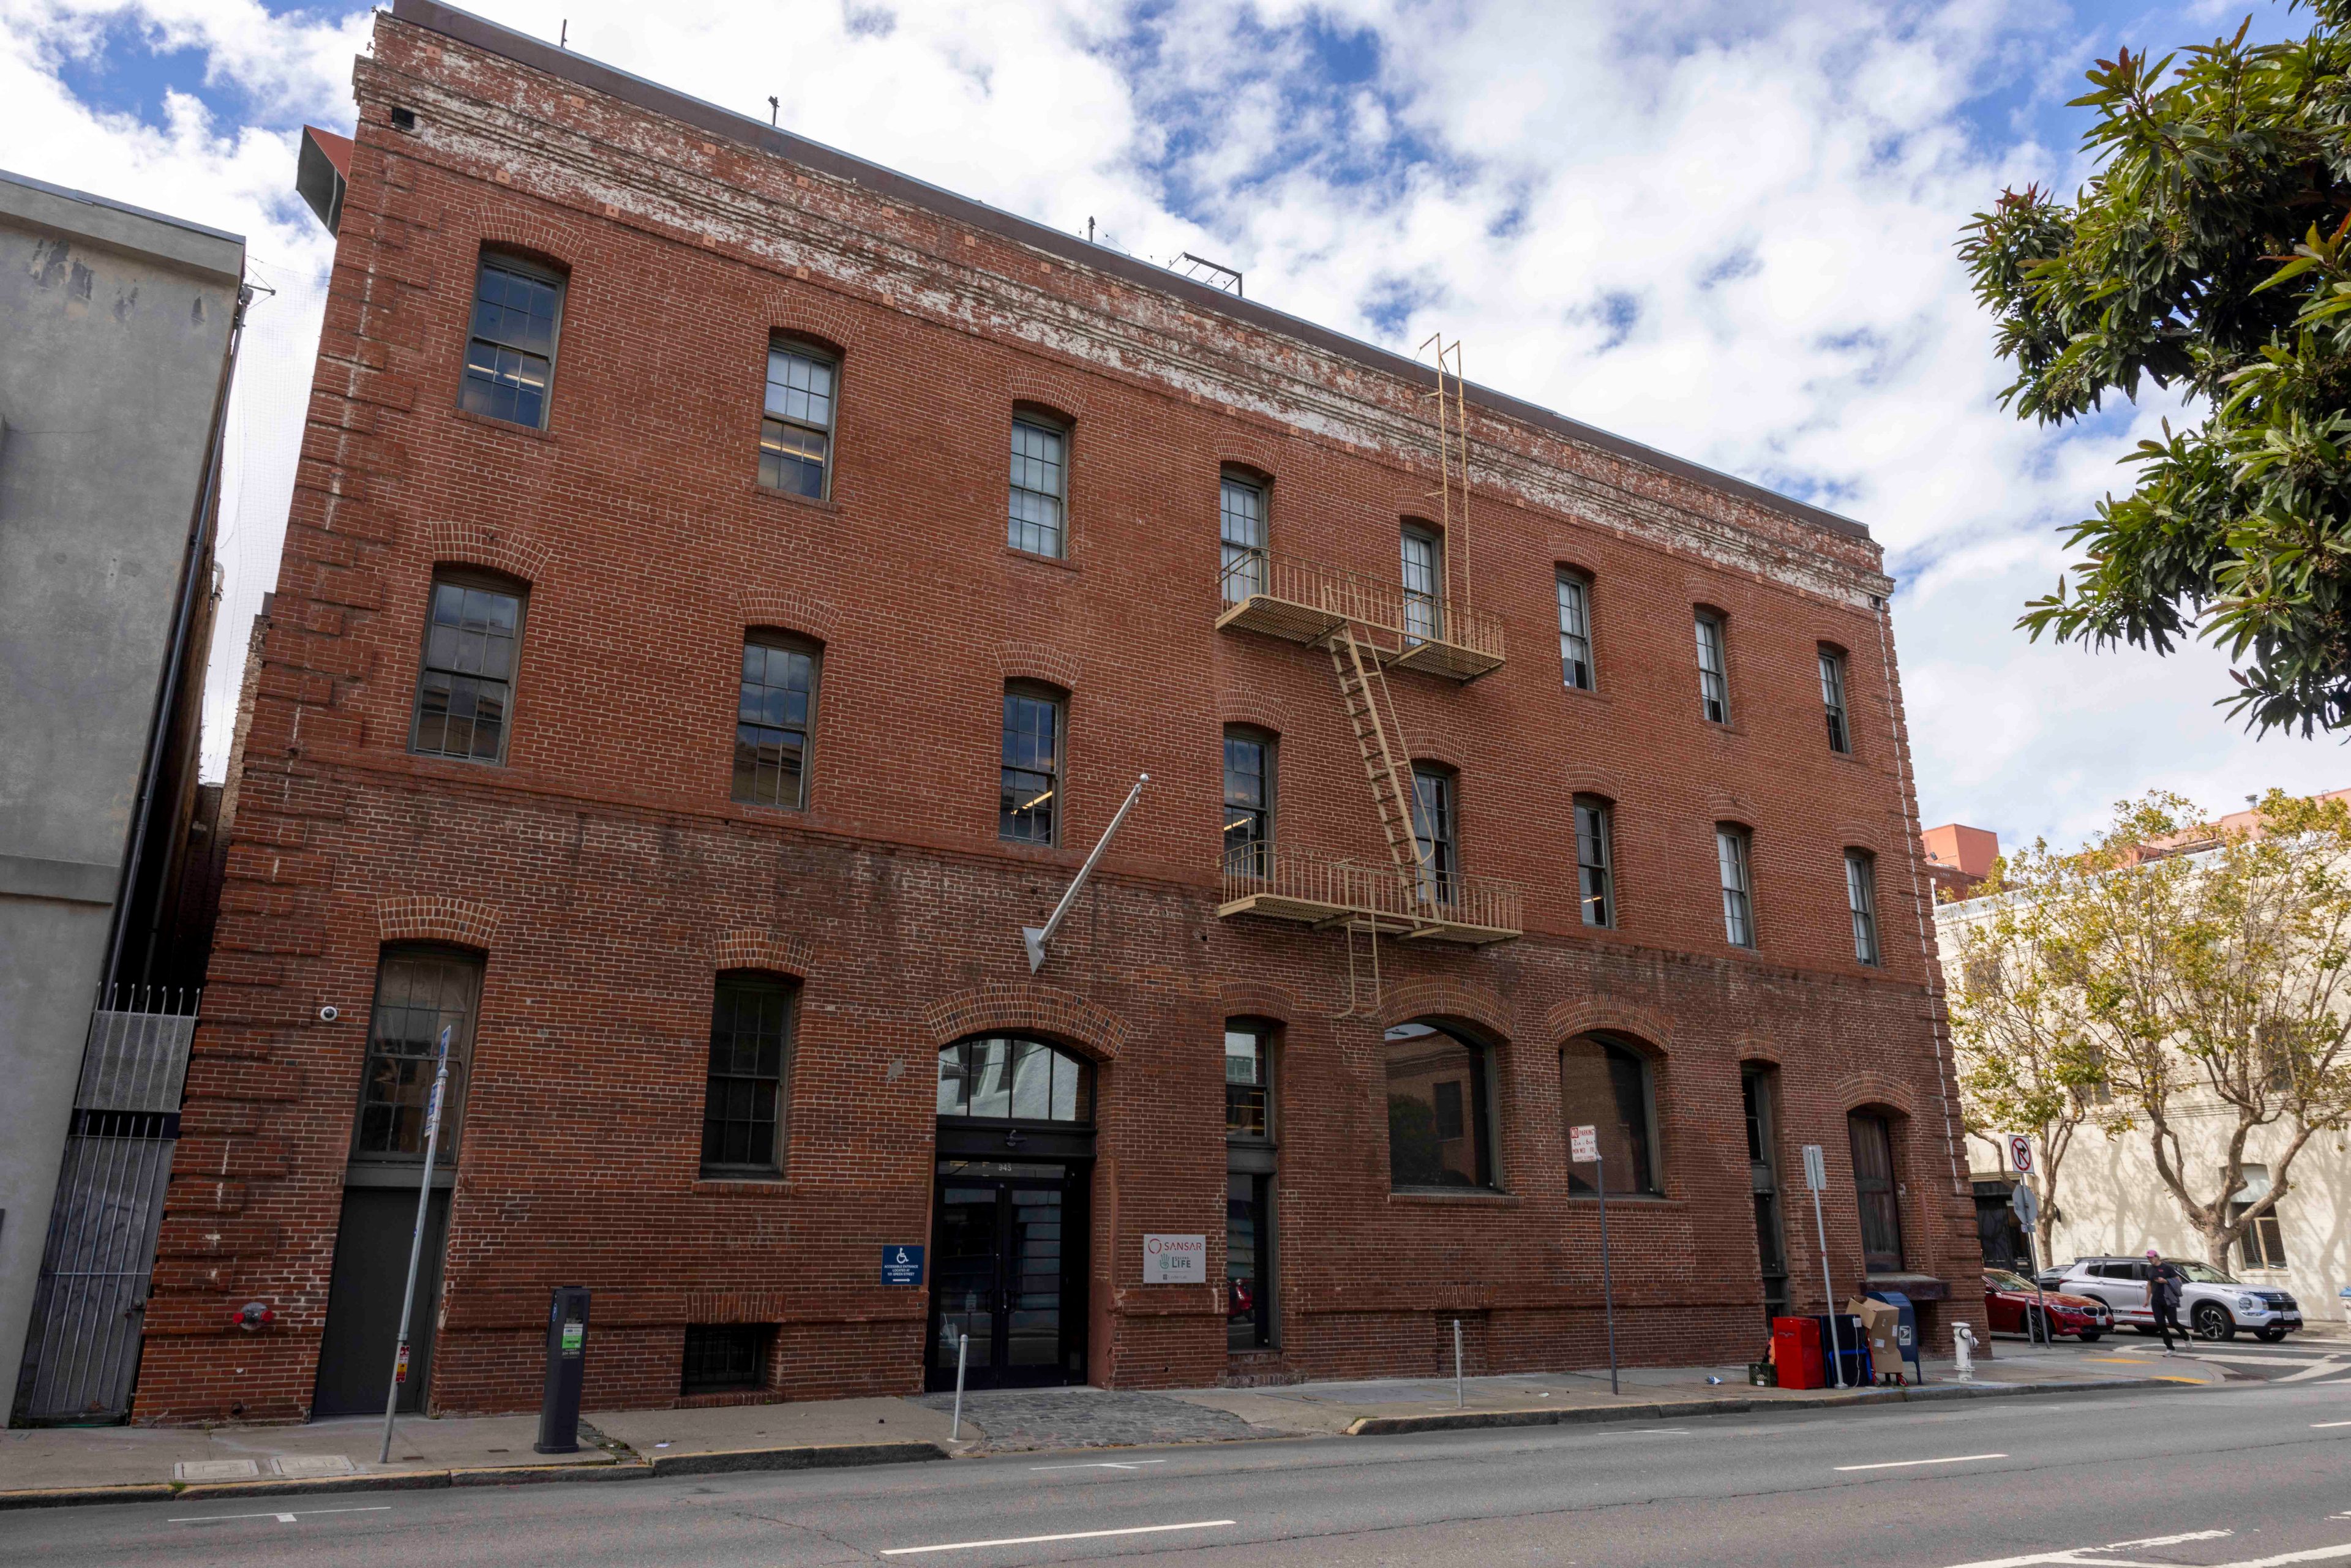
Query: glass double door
[1007, 1250]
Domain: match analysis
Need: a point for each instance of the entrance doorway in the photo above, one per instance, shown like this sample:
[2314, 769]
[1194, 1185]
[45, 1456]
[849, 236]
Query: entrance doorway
[364, 1303]
[1009, 1215]
[1759, 1084]
[1008, 1242]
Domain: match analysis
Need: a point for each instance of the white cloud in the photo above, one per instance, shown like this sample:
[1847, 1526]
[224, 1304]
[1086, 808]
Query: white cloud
[1723, 230]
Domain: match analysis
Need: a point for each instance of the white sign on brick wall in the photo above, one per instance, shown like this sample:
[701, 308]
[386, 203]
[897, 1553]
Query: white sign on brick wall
[1174, 1259]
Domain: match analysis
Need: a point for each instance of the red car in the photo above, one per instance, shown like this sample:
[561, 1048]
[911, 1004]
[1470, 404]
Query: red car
[2012, 1302]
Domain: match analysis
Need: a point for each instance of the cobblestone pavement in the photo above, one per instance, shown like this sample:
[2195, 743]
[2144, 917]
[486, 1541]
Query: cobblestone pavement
[1018, 1420]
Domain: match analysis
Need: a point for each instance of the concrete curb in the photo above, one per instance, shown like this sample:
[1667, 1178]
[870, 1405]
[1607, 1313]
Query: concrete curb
[1580, 1414]
[825, 1456]
[82, 1496]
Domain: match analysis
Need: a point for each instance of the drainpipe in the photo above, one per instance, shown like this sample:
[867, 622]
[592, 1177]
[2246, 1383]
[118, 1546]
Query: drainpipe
[159, 729]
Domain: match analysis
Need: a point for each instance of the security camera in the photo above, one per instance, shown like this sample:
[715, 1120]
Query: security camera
[328, 1014]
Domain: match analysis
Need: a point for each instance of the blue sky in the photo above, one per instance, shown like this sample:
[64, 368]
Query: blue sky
[1720, 229]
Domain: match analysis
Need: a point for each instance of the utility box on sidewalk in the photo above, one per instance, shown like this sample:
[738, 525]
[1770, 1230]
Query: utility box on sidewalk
[567, 1366]
[1796, 1352]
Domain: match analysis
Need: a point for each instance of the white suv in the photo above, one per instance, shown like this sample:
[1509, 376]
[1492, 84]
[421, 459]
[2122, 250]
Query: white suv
[2211, 1304]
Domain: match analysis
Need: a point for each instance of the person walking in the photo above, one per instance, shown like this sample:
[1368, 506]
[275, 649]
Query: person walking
[2163, 1282]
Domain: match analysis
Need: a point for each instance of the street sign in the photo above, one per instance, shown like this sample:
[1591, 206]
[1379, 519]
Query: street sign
[2027, 1206]
[1174, 1259]
[2019, 1153]
[901, 1265]
[1584, 1143]
[1816, 1170]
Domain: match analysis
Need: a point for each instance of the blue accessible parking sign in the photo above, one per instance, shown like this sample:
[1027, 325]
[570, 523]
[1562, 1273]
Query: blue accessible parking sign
[901, 1265]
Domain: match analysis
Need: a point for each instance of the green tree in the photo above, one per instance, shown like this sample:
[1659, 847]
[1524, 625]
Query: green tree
[2197, 976]
[2207, 254]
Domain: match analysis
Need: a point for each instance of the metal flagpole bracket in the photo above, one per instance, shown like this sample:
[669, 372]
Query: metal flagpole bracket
[1036, 936]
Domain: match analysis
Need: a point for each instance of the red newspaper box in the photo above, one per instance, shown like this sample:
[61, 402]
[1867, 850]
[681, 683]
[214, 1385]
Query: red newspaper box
[1796, 1353]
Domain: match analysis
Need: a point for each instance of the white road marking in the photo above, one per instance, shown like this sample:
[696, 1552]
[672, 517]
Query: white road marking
[2079, 1556]
[1903, 1464]
[2320, 1370]
[1101, 1464]
[280, 1518]
[1074, 1535]
[2322, 1425]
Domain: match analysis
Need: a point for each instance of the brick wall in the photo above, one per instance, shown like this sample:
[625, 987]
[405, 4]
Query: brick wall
[605, 876]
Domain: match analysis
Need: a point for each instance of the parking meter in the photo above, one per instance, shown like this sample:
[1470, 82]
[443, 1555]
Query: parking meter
[567, 1364]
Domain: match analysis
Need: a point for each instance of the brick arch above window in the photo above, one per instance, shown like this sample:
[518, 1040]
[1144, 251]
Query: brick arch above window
[508, 550]
[1039, 390]
[522, 235]
[1582, 779]
[795, 317]
[1723, 806]
[1854, 834]
[1257, 1000]
[763, 948]
[785, 611]
[1747, 1048]
[1012, 1006]
[1244, 458]
[1591, 1014]
[1037, 662]
[437, 917]
[1864, 1089]
[1254, 710]
[1446, 999]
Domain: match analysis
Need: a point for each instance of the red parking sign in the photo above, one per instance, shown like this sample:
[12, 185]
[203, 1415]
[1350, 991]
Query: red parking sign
[2020, 1154]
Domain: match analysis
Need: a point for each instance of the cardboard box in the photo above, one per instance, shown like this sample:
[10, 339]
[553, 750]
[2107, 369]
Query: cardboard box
[1879, 1321]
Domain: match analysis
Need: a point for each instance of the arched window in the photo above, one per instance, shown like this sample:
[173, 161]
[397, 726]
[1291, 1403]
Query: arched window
[1608, 1086]
[1438, 1131]
[1006, 1078]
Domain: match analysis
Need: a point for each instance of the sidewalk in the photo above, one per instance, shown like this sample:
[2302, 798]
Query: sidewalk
[55, 1465]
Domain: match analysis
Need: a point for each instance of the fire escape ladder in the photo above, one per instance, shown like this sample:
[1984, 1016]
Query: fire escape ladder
[1371, 711]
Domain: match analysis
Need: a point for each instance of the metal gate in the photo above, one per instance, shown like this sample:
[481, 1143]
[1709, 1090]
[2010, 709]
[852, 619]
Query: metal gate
[82, 1354]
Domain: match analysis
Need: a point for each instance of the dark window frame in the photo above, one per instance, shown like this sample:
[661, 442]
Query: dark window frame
[1596, 860]
[2263, 1246]
[1861, 904]
[730, 990]
[1437, 834]
[781, 424]
[1578, 670]
[711, 1350]
[1615, 1050]
[500, 340]
[1478, 1116]
[380, 1125]
[969, 1069]
[1836, 700]
[1734, 851]
[1241, 561]
[1424, 607]
[1878, 1199]
[1252, 1137]
[1056, 774]
[1064, 431]
[792, 643]
[1713, 634]
[466, 580]
[1252, 855]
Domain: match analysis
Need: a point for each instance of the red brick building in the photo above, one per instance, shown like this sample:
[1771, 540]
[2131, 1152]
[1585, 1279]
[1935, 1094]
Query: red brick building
[679, 690]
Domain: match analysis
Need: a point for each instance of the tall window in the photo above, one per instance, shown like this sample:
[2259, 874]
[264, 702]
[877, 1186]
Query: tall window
[1595, 857]
[1731, 847]
[1039, 485]
[1575, 630]
[1249, 804]
[750, 1062]
[510, 357]
[1424, 582]
[1759, 1088]
[419, 992]
[1241, 528]
[1248, 1185]
[1437, 1109]
[464, 693]
[1861, 897]
[2263, 1246]
[1006, 1078]
[1874, 1184]
[796, 433]
[1032, 766]
[1713, 669]
[1606, 1086]
[1832, 699]
[773, 710]
[1432, 832]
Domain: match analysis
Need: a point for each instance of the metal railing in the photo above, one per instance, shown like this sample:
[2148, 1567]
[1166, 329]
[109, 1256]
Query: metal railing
[1301, 885]
[1333, 595]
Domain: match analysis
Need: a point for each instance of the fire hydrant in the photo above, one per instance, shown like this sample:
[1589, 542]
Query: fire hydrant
[1963, 1350]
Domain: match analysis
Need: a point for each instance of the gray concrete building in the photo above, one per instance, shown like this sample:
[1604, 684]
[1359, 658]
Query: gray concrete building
[117, 342]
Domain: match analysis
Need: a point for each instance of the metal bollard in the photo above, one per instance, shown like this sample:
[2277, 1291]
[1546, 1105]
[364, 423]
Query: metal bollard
[1963, 1348]
[954, 1428]
[1456, 1363]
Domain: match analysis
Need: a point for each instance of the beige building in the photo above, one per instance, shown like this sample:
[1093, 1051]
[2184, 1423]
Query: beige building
[2110, 1199]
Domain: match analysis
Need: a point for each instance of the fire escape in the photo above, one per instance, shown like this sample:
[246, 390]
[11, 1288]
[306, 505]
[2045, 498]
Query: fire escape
[1368, 627]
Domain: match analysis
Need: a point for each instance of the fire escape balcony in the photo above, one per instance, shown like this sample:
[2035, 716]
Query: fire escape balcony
[1317, 890]
[1301, 601]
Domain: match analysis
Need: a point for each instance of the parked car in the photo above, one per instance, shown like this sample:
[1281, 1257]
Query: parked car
[2053, 1279]
[2012, 1303]
[2213, 1305]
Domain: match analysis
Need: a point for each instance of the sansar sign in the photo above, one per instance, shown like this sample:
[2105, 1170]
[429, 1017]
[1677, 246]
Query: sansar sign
[1174, 1259]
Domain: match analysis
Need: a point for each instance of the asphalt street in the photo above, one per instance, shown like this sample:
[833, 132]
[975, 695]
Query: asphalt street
[2239, 1475]
[2295, 1360]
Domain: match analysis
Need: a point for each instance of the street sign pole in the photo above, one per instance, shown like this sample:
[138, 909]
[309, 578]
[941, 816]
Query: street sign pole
[1584, 1143]
[1816, 1176]
[416, 1241]
[2027, 1205]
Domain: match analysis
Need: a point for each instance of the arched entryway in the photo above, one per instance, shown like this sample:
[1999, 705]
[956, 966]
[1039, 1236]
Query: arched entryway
[1009, 1213]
